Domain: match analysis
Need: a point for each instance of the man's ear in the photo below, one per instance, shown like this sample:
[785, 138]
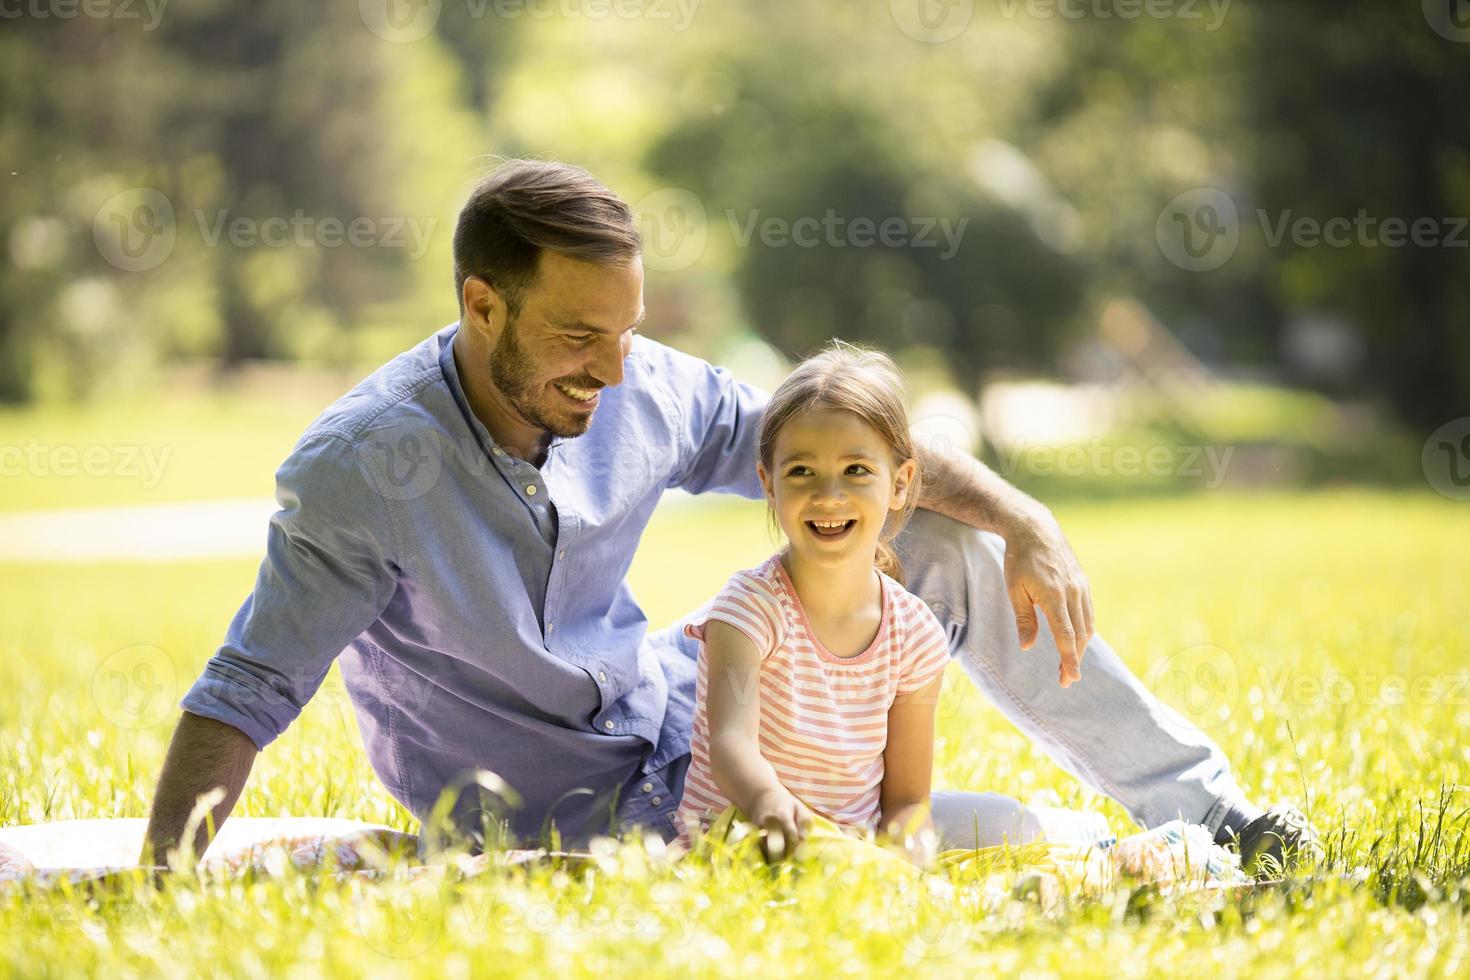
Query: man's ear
[484, 310]
[903, 484]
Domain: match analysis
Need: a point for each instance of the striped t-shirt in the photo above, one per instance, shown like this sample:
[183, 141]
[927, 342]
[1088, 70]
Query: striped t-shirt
[823, 718]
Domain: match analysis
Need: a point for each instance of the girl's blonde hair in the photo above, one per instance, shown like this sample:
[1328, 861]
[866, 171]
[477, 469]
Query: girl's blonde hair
[866, 383]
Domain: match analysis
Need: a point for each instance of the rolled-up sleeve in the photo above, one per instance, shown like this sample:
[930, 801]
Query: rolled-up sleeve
[328, 573]
[720, 422]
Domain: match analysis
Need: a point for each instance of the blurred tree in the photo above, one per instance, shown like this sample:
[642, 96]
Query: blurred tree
[1361, 114]
[965, 273]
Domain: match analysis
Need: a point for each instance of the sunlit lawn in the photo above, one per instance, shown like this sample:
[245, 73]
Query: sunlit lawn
[1322, 638]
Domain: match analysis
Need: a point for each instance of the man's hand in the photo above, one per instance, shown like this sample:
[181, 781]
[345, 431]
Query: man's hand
[1041, 570]
[783, 818]
[205, 757]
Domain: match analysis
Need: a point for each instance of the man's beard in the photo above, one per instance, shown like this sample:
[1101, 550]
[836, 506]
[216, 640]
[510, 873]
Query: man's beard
[514, 374]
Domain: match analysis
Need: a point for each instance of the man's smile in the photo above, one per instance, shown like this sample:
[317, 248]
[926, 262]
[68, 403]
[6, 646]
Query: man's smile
[584, 396]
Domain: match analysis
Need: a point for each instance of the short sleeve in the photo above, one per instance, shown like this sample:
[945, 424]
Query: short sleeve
[327, 575]
[750, 604]
[926, 646]
[719, 419]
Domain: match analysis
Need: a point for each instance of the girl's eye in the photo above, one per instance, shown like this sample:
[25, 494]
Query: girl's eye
[798, 471]
[861, 469]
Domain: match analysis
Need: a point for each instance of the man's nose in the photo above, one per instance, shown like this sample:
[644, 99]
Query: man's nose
[608, 365]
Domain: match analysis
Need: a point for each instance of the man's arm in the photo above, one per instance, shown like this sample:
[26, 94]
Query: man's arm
[1040, 568]
[204, 755]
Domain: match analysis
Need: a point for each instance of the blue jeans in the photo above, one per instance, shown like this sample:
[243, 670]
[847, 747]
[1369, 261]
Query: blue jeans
[1107, 730]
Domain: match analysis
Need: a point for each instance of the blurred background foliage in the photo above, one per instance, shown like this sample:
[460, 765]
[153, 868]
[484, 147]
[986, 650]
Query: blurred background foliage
[1053, 142]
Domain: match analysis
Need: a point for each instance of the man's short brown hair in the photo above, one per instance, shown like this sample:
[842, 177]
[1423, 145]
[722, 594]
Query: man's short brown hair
[529, 205]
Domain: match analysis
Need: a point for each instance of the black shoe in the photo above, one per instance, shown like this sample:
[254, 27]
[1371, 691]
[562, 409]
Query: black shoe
[1278, 840]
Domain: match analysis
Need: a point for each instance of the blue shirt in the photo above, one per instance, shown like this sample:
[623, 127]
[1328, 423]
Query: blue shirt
[480, 604]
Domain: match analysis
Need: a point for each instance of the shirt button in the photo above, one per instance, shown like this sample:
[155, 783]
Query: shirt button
[608, 724]
[530, 489]
[656, 800]
[648, 787]
[550, 627]
[561, 554]
[602, 676]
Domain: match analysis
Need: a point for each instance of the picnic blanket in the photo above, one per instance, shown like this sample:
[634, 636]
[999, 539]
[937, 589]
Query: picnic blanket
[1173, 856]
[92, 849]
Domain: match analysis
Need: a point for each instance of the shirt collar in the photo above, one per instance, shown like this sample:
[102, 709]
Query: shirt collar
[456, 388]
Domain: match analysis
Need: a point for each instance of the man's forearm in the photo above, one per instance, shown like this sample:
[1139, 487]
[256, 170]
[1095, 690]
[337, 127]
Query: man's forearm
[961, 487]
[204, 755]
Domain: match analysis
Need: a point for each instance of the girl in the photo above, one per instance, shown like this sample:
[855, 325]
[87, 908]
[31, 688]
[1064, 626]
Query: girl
[818, 672]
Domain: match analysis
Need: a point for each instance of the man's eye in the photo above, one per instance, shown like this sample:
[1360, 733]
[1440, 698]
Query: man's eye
[579, 338]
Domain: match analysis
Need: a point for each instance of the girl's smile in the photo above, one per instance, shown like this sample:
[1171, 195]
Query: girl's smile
[832, 485]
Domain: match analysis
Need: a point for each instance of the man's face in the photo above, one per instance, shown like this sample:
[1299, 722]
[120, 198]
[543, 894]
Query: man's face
[569, 340]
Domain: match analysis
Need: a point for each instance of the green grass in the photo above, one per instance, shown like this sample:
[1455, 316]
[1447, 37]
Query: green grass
[1259, 599]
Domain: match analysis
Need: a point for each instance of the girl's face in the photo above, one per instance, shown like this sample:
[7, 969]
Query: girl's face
[832, 484]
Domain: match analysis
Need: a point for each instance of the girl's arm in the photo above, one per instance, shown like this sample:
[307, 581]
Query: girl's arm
[733, 706]
[908, 766]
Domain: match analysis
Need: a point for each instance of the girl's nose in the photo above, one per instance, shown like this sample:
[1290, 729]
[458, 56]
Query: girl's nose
[830, 490]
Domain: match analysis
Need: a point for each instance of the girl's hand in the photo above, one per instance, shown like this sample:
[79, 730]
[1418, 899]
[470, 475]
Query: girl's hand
[782, 818]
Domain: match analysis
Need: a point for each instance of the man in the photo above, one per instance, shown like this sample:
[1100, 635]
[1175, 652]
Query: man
[458, 528]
